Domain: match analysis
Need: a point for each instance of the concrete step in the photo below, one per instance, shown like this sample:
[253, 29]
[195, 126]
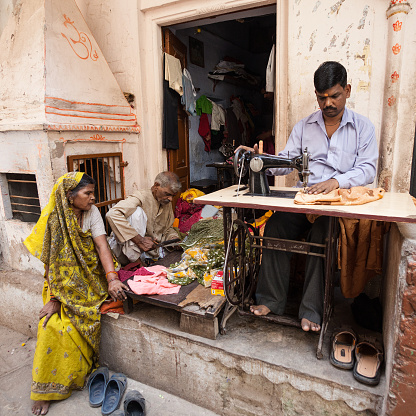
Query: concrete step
[257, 368]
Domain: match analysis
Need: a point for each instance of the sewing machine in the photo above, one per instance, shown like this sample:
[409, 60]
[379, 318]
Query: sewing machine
[259, 163]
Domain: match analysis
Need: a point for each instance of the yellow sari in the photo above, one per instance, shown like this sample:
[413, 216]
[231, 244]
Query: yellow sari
[68, 347]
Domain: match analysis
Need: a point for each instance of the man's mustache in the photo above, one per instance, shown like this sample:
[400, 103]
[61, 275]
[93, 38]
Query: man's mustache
[329, 108]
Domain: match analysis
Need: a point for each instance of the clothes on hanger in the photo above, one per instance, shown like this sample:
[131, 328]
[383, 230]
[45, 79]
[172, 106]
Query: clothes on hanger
[188, 98]
[271, 71]
[173, 73]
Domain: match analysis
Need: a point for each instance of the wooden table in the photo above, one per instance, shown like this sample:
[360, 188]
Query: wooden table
[393, 207]
[198, 308]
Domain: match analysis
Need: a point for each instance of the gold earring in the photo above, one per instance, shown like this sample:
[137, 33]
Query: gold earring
[71, 201]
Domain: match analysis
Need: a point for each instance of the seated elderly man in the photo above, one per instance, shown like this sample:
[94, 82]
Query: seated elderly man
[144, 219]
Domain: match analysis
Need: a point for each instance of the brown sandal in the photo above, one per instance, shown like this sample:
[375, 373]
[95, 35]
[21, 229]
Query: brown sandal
[343, 345]
[369, 356]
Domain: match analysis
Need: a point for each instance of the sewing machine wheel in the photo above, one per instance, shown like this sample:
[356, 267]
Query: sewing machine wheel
[241, 264]
[241, 165]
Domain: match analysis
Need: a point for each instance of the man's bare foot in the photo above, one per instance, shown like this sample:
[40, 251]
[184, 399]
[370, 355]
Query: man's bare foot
[259, 310]
[40, 407]
[308, 325]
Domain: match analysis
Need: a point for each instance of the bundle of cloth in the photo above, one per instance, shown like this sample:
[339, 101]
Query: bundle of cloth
[186, 211]
[152, 281]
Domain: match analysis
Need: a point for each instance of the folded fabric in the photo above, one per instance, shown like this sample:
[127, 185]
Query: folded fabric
[357, 195]
[111, 306]
[123, 275]
[159, 286]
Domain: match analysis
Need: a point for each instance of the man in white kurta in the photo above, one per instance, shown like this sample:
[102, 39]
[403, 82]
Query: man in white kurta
[144, 219]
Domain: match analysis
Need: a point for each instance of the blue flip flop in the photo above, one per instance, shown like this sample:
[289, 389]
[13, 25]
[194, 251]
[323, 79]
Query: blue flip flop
[96, 386]
[134, 404]
[114, 391]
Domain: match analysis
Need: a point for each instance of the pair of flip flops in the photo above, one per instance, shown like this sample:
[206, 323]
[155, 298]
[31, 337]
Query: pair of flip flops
[108, 392]
[364, 357]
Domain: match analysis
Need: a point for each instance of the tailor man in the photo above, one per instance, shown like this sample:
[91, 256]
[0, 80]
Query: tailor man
[344, 154]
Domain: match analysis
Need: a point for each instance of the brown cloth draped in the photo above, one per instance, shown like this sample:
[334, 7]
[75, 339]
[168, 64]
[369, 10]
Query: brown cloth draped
[360, 250]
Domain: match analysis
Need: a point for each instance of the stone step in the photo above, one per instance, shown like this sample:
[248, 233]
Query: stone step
[257, 368]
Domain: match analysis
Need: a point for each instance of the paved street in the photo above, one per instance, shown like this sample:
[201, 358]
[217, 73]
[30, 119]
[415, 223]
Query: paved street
[15, 378]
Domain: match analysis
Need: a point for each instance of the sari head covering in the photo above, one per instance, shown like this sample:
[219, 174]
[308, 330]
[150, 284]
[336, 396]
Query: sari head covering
[75, 274]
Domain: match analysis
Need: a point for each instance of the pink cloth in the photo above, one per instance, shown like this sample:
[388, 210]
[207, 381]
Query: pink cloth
[155, 283]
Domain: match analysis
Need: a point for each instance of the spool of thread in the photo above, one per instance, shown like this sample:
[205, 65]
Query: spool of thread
[261, 146]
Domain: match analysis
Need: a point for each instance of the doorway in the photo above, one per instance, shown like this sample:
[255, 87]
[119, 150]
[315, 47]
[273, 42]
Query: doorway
[227, 58]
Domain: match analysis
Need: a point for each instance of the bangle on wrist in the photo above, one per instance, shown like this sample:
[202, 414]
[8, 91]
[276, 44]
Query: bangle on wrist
[112, 271]
[111, 280]
[53, 299]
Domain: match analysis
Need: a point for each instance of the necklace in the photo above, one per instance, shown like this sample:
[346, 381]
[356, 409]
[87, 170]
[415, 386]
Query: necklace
[330, 125]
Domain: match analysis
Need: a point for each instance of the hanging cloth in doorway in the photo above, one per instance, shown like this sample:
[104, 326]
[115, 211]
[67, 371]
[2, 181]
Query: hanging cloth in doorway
[189, 93]
[203, 105]
[271, 70]
[173, 73]
[170, 137]
[204, 131]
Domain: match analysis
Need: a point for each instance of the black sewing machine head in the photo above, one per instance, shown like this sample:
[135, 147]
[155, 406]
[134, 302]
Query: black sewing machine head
[257, 164]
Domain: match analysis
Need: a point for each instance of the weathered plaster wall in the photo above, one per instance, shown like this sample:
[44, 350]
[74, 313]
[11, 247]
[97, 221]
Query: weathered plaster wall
[35, 160]
[63, 144]
[22, 91]
[116, 27]
[355, 34]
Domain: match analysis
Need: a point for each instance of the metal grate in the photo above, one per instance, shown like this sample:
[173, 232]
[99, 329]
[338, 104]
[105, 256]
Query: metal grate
[107, 170]
[24, 198]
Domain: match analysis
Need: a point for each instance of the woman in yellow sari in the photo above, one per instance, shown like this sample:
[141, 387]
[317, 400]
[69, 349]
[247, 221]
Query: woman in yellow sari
[70, 240]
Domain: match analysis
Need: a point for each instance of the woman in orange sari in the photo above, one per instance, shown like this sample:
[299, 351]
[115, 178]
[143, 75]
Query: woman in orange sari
[70, 240]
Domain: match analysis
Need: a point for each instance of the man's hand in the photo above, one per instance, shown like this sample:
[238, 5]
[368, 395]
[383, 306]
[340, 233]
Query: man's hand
[323, 187]
[48, 310]
[144, 243]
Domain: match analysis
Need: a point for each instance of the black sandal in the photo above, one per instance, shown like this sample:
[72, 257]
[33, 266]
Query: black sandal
[134, 404]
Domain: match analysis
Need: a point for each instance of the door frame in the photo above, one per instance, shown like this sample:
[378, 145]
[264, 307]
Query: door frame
[159, 14]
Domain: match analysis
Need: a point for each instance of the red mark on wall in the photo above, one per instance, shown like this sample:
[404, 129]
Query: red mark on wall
[394, 76]
[396, 48]
[82, 44]
[393, 2]
[397, 26]
[391, 101]
[97, 137]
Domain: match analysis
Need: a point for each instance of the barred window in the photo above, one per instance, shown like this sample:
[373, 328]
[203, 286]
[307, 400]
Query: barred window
[107, 170]
[23, 196]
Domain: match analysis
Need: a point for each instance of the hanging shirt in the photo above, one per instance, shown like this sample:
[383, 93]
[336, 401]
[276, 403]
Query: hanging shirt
[203, 105]
[173, 73]
[218, 116]
[349, 156]
[189, 93]
[271, 70]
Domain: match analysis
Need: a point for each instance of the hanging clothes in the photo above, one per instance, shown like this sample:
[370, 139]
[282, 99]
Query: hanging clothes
[271, 70]
[203, 105]
[204, 131]
[173, 73]
[170, 136]
[218, 116]
[188, 98]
